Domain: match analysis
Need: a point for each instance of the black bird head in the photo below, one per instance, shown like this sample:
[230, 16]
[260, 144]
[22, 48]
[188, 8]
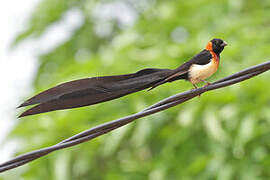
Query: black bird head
[218, 45]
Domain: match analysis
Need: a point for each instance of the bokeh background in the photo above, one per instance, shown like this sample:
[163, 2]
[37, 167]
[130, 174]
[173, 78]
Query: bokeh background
[224, 134]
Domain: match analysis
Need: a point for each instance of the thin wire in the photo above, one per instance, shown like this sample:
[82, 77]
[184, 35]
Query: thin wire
[160, 106]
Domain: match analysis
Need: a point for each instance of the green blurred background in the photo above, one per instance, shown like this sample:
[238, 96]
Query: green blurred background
[224, 134]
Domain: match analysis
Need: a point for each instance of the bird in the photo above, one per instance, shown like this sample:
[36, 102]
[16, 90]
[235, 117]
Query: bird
[94, 90]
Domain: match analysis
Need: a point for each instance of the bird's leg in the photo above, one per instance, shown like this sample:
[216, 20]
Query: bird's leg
[195, 87]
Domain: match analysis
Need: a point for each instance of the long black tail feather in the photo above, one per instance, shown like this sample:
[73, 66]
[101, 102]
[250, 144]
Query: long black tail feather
[94, 90]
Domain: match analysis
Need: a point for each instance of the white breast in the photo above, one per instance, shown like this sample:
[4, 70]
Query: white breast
[201, 72]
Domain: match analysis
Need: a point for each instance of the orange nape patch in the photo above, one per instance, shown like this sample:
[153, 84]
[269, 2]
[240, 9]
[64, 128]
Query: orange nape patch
[209, 47]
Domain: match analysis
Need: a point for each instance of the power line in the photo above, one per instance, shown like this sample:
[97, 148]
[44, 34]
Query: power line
[160, 106]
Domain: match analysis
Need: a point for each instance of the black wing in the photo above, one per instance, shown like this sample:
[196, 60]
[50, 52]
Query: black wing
[94, 90]
[204, 57]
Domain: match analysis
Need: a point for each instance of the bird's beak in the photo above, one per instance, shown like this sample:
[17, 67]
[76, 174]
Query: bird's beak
[224, 44]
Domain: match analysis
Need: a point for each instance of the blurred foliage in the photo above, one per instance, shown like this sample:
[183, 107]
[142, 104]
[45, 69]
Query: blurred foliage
[221, 135]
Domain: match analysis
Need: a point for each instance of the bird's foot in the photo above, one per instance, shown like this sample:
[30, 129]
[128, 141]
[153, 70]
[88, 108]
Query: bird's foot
[207, 83]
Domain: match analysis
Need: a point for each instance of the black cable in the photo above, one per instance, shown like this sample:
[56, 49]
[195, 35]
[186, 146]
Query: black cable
[160, 106]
